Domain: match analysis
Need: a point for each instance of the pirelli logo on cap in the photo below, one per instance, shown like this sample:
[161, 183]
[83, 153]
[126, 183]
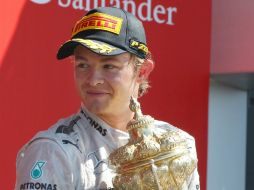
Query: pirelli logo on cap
[98, 21]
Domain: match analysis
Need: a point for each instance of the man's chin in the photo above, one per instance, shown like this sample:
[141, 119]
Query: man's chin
[96, 108]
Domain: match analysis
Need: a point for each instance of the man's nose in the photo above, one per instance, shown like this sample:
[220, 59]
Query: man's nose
[95, 77]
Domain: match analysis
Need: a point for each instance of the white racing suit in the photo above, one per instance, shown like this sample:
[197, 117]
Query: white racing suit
[72, 155]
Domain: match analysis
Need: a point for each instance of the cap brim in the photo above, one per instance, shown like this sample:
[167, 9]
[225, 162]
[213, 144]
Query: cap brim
[96, 46]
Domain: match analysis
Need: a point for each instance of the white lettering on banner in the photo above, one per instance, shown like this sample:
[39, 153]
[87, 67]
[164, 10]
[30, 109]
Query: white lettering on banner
[67, 4]
[41, 1]
[160, 10]
[78, 4]
[117, 3]
[125, 6]
[148, 6]
[144, 10]
[171, 11]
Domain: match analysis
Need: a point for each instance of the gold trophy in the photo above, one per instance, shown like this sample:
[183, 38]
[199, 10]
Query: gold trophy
[150, 160]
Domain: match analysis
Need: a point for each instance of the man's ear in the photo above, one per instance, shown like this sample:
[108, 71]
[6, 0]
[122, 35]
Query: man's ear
[146, 69]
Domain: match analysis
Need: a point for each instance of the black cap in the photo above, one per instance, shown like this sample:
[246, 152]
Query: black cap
[107, 31]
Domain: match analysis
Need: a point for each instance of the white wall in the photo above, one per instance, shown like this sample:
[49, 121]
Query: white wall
[226, 138]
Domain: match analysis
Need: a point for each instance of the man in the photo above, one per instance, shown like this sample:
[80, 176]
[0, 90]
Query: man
[111, 65]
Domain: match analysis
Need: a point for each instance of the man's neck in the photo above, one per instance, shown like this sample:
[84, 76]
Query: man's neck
[119, 121]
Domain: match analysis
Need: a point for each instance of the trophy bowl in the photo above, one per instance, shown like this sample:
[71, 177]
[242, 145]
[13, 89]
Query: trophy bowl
[151, 159]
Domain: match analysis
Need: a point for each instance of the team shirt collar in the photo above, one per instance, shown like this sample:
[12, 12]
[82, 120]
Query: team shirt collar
[104, 130]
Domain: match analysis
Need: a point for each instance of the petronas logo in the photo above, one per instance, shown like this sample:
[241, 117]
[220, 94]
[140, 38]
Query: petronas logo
[36, 171]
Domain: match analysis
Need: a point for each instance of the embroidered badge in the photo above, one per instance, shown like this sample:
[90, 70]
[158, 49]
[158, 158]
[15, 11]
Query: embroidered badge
[36, 171]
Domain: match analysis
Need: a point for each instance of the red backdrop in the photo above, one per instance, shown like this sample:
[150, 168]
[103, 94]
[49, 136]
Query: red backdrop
[36, 90]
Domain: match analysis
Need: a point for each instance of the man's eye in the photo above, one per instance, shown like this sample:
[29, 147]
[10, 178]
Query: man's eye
[82, 65]
[109, 66]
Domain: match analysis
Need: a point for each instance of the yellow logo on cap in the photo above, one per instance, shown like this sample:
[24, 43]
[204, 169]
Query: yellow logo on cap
[98, 21]
[138, 45]
[103, 48]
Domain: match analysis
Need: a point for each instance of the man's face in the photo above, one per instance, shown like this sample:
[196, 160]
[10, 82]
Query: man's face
[105, 83]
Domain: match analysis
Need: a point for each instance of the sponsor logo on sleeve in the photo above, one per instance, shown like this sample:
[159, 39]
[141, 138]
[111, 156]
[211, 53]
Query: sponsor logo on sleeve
[37, 170]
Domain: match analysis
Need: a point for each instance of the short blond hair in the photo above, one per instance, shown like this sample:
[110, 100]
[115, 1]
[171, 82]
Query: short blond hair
[138, 62]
